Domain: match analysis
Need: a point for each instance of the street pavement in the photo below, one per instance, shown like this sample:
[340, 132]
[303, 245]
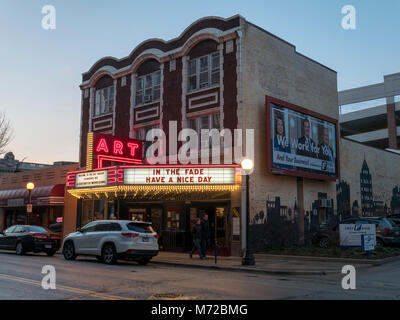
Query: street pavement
[265, 264]
[86, 278]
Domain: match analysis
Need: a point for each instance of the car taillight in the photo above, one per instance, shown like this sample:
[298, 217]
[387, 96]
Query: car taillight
[39, 235]
[156, 235]
[54, 236]
[130, 234]
[388, 231]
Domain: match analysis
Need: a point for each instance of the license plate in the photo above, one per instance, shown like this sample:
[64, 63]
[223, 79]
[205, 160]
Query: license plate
[47, 246]
[145, 239]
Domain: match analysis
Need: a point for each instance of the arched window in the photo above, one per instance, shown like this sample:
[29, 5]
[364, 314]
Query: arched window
[148, 82]
[204, 66]
[104, 96]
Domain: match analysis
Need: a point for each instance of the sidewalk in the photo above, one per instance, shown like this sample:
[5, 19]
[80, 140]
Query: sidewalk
[265, 264]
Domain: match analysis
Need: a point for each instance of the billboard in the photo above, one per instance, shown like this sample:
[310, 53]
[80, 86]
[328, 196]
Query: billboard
[301, 142]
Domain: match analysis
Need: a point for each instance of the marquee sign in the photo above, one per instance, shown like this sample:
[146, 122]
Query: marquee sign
[179, 175]
[91, 179]
[106, 150]
[155, 175]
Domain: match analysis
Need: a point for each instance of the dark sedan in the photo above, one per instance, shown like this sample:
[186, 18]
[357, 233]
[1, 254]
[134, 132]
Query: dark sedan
[387, 232]
[22, 239]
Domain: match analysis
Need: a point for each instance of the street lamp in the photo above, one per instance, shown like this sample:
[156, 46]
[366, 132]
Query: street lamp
[30, 186]
[247, 166]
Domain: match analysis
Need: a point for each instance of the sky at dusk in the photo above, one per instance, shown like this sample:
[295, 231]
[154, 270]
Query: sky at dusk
[41, 69]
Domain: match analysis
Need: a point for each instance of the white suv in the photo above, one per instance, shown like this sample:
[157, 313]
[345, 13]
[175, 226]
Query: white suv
[110, 240]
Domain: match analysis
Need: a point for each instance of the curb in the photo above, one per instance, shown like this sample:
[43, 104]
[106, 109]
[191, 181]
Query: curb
[328, 259]
[245, 269]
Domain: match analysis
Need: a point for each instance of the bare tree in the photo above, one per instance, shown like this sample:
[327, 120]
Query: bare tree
[6, 133]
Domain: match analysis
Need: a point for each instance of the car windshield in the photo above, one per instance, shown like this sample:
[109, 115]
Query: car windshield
[37, 229]
[395, 221]
[140, 227]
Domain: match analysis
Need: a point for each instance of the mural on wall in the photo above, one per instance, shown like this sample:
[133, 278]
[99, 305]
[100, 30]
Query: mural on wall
[369, 186]
[395, 202]
[275, 228]
[367, 201]
[343, 199]
[278, 227]
[370, 206]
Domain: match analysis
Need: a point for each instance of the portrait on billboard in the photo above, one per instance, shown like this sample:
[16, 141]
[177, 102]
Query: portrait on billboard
[301, 143]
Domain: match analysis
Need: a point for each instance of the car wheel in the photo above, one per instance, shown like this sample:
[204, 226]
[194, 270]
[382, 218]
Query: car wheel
[19, 249]
[379, 243]
[143, 261]
[109, 254]
[324, 243]
[69, 251]
[51, 253]
[99, 258]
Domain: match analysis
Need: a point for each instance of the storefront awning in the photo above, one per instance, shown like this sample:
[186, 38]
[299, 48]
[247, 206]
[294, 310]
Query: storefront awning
[41, 196]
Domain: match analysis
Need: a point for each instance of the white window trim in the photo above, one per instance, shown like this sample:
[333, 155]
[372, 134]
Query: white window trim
[153, 86]
[210, 72]
[111, 110]
[198, 130]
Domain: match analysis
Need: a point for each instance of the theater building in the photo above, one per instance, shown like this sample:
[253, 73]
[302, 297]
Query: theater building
[217, 74]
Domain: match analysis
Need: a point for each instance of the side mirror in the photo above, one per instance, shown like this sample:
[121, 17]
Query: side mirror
[79, 230]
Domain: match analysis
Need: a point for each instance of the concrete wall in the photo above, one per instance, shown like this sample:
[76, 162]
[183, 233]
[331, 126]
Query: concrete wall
[271, 66]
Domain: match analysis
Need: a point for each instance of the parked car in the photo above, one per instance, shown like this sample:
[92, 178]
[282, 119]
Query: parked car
[110, 240]
[395, 220]
[56, 227]
[387, 232]
[24, 238]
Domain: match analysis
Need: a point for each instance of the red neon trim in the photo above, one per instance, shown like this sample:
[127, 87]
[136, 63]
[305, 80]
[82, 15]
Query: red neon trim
[115, 176]
[120, 174]
[70, 180]
[185, 166]
[101, 158]
[97, 169]
[118, 146]
[102, 146]
[132, 147]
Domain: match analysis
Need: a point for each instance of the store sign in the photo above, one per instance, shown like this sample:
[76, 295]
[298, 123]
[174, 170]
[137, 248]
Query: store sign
[179, 176]
[106, 150]
[301, 144]
[368, 242]
[91, 179]
[350, 234]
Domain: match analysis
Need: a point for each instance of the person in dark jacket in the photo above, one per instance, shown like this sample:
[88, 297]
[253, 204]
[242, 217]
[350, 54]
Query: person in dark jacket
[205, 234]
[196, 234]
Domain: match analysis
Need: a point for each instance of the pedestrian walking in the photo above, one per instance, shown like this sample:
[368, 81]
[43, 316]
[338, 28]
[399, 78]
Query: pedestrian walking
[205, 234]
[196, 235]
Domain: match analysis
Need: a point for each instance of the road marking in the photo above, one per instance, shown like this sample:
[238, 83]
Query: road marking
[66, 288]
